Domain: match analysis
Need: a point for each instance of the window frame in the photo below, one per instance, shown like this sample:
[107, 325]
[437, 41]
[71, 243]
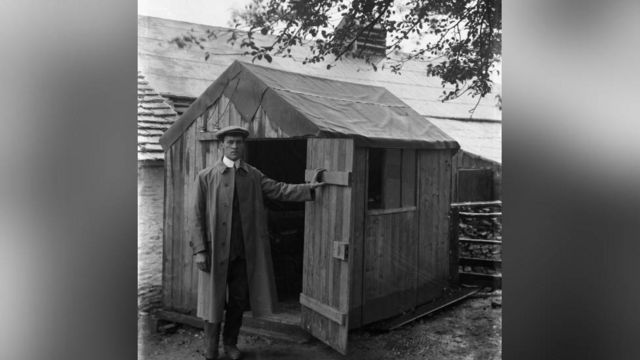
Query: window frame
[405, 198]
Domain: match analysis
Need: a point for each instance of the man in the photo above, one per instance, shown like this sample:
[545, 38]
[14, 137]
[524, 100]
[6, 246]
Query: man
[231, 244]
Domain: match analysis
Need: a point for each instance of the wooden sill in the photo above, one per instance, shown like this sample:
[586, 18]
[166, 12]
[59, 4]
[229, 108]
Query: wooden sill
[391, 211]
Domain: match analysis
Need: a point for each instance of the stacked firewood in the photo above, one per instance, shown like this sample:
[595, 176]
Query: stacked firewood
[482, 227]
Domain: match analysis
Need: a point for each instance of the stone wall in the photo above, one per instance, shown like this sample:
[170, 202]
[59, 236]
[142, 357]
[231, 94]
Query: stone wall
[150, 212]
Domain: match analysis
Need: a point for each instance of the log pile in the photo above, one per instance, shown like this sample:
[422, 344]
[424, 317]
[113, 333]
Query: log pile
[479, 238]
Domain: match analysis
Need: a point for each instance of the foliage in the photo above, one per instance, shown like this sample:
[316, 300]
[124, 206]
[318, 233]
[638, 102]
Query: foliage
[463, 44]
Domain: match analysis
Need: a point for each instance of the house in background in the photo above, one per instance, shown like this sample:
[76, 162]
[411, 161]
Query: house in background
[174, 72]
[154, 116]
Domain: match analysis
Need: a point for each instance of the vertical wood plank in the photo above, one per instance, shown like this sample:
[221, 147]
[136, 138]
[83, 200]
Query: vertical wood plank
[212, 121]
[321, 225]
[223, 111]
[234, 117]
[345, 214]
[445, 205]
[258, 124]
[200, 151]
[435, 214]
[179, 226]
[358, 205]
[168, 238]
[428, 285]
[408, 177]
[337, 198]
[188, 298]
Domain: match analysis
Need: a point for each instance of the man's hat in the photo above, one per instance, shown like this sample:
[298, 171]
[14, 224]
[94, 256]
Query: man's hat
[232, 130]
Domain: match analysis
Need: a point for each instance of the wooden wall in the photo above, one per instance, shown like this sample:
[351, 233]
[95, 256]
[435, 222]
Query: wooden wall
[466, 160]
[405, 256]
[192, 152]
[434, 198]
[390, 238]
[390, 260]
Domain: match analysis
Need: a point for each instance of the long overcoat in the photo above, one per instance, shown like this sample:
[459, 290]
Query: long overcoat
[212, 233]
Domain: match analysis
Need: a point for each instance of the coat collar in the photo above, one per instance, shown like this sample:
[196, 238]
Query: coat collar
[222, 168]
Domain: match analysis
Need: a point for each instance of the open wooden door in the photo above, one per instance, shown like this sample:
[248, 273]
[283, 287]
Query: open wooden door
[328, 228]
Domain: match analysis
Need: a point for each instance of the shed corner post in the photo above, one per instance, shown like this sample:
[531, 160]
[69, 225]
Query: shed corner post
[454, 220]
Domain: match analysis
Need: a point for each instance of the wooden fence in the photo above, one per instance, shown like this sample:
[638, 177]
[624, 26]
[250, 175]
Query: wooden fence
[477, 236]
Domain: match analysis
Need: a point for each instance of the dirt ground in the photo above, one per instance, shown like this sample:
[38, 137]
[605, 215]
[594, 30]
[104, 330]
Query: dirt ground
[471, 329]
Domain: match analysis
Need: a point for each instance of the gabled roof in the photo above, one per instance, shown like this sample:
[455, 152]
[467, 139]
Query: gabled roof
[154, 117]
[308, 106]
[187, 72]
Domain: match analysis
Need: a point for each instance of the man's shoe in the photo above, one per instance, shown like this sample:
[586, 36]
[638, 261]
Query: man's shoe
[233, 352]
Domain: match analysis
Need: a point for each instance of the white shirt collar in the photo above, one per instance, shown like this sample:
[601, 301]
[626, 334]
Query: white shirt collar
[230, 163]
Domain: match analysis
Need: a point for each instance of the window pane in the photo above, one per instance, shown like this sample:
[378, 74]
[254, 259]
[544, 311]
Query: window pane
[374, 199]
[391, 179]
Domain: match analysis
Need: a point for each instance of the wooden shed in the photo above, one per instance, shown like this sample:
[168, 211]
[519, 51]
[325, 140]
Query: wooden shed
[374, 243]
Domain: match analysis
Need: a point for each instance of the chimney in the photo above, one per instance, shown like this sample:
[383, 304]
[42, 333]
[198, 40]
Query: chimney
[372, 43]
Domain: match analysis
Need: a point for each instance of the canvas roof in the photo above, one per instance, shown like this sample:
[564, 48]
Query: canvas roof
[308, 106]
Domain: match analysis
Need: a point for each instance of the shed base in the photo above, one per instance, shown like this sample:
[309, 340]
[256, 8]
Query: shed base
[284, 325]
[423, 310]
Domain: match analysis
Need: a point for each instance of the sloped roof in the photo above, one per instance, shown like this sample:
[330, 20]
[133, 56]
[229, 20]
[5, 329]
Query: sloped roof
[305, 106]
[186, 72]
[480, 138]
[154, 117]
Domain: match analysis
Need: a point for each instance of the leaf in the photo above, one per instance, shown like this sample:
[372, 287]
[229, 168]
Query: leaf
[268, 57]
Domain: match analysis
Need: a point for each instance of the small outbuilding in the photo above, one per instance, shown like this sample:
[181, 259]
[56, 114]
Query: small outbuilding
[374, 243]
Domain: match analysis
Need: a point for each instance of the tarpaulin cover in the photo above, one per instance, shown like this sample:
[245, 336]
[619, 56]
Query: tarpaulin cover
[308, 106]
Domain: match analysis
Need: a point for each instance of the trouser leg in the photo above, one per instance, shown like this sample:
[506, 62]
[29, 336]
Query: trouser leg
[238, 290]
[211, 337]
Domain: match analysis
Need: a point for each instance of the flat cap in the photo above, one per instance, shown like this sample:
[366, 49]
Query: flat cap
[232, 130]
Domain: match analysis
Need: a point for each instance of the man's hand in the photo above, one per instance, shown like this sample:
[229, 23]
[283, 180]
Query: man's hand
[316, 184]
[316, 179]
[202, 261]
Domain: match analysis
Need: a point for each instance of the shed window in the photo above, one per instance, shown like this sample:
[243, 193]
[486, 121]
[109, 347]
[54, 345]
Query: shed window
[392, 178]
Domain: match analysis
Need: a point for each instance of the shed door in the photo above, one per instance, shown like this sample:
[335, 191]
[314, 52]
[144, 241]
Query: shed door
[328, 229]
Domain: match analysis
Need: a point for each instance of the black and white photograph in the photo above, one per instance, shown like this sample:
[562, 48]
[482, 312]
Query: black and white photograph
[319, 179]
